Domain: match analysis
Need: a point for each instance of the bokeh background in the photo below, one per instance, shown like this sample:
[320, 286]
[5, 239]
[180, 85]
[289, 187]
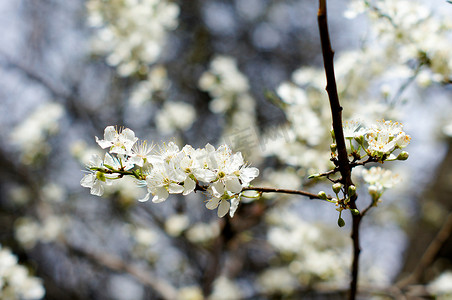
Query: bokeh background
[247, 73]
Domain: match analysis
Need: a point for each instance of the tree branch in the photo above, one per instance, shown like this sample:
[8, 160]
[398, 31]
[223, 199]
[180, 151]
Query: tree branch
[284, 191]
[336, 112]
[430, 254]
[115, 263]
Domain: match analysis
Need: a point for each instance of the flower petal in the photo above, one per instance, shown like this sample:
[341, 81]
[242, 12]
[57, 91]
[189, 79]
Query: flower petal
[248, 174]
[175, 188]
[234, 205]
[223, 208]
[160, 195]
[213, 203]
[218, 189]
[189, 186]
[233, 185]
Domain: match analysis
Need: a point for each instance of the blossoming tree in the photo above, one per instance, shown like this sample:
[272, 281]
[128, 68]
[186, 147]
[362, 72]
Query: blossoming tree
[214, 145]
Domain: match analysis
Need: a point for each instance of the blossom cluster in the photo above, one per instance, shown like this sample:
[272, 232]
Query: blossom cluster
[32, 135]
[379, 179]
[132, 33]
[220, 172]
[405, 30]
[379, 141]
[15, 282]
[229, 89]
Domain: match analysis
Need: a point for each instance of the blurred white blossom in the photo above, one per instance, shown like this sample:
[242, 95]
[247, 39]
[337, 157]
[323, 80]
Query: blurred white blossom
[225, 289]
[157, 82]
[31, 135]
[441, 286]
[131, 33]
[175, 116]
[175, 224]
[28, 231]
[202, 233]
[15, 281]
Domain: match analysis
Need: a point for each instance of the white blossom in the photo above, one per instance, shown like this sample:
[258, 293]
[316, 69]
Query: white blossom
[16, 282]
[31, 135]
[351, 128]
[175, 116]
[442, 285]
[386, 136]
[119, 141]
[220, 172]
[131, 34]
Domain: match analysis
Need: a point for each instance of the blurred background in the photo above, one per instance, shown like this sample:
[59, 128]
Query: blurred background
[247, 73]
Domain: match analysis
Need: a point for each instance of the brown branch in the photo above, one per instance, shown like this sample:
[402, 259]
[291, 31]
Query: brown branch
[115, 263]
[271, 190]
[430, 253]
[336, 112]
[283, 191]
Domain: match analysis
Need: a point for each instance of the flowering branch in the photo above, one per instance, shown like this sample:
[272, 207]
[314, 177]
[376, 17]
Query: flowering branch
[343, 162]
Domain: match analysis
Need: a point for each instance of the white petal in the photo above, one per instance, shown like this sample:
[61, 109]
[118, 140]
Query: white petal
[213, 203]
[95, 161]
[145, 198]
[189, 186]
[248, 174]
[223, 208]
[204, 175]
[175, 188]
[136, 160]
[160, 195]
[233, 185]
[110, 133]
[234, 204]
[88, 180]
[102, 143]
[97, 188]
[218, 189]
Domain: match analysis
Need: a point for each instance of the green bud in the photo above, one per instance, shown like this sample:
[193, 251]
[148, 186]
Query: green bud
[322, 195]
[340, 222]
[403, 155]
[351, 190]
[359, 139]
[355, 211]
[333, 136]
[313, 176]
[333, 147]
[337, 187]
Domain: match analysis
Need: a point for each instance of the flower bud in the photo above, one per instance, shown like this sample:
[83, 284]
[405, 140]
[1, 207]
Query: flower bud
[337, 187]
[355, 211]
[374, 193]
[333, 147]
[340, 222]
[322, 195]
[314, 176]
[359, 139]
[351, 190]
[403, 155]
[373, 190]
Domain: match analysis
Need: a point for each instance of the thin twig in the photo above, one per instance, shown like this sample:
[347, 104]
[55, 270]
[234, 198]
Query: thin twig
[283, 191]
